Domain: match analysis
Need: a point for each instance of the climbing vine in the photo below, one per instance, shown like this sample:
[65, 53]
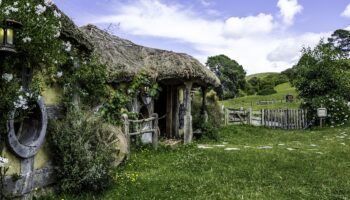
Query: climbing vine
[39, 48]
[115, 106]
[144, 82]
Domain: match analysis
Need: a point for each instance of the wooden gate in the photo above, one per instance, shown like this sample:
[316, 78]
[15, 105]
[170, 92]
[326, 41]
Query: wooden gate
[236, 116]
[284, 118]
[278, 118]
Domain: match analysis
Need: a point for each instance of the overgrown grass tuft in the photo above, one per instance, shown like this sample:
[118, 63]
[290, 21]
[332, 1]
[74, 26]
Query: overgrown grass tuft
[311, 164]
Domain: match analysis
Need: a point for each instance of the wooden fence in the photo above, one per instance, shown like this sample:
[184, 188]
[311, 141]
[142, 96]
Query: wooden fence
[279, 118]
[139, 127]
[236, 116]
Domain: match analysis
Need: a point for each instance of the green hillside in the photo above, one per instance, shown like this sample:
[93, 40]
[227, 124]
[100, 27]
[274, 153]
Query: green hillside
[251, 101]
[260, 75]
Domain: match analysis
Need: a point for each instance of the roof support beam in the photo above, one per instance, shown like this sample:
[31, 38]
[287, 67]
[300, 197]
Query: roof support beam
[188, 132]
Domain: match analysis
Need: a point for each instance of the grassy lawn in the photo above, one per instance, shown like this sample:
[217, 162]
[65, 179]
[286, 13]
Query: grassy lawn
[262, 164]
[250, 101]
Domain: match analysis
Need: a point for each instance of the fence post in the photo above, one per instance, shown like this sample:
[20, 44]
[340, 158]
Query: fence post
[126, 132]
[155, 132]
[250, 116]
[225, 113]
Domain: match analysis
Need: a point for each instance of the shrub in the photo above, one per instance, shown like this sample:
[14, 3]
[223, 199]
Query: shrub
[337, 109]
[82, 162]
[209, 129]
[267, 91]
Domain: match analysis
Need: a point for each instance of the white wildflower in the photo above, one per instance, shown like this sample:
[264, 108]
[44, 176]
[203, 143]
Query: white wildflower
[59, 74]
[15, 3]
[27, 39]
[40, 9]
[7, 12]
[56, 14]
[58, 34]
[7, 77]
[48, 3]
[67, 46]
[21, 102]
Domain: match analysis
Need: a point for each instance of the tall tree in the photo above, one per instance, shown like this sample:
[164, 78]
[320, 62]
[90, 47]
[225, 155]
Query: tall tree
[230, 73]
[341, 40]
[322, 79]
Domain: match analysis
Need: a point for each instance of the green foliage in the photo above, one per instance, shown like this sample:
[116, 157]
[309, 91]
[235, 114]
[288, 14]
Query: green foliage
[289, 73]
[112, 109]
[264, 83]
[89, 79]
[230, 73]
[38, 39]
[337, 109]
[341, 40]
[267, 91]
[84, 162]
[323, 73]
[38, 47]
[209, 129]
[276, 79]
[118, 100]
[144, 82]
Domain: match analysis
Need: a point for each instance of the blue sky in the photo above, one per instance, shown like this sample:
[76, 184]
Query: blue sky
[262, 35]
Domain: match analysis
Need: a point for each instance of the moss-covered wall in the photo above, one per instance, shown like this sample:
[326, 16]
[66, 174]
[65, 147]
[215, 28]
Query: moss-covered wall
[14, 163]
[52, 95]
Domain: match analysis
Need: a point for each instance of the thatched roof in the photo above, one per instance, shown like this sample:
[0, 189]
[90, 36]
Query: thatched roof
[125, 59]
[71, 32]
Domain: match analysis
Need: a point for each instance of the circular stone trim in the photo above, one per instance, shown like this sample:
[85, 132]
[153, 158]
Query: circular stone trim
[28, 150]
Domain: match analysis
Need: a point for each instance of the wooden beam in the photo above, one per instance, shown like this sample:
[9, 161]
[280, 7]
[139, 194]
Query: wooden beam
[188, 132]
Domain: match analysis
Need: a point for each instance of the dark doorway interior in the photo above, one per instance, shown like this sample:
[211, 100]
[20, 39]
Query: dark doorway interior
[160, 109]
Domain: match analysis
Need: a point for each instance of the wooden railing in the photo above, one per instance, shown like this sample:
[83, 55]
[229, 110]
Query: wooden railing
[139, 127]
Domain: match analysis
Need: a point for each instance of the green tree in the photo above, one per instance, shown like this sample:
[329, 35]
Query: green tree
[230, 73]
[341, 40]
[322, 79]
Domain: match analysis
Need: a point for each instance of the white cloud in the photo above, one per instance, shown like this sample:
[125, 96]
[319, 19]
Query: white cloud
[346, 12]
[288, 50]
[205, 3]
[254, 41]
[251, 25]
[288, 10]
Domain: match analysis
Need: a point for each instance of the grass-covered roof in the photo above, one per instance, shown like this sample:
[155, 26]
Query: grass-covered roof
[125, 59]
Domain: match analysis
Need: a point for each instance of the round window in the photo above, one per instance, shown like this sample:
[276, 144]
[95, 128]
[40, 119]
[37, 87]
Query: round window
[26, 136]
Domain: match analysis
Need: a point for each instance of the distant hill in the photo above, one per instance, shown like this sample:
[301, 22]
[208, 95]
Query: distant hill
[260, 75]
[250, 101]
